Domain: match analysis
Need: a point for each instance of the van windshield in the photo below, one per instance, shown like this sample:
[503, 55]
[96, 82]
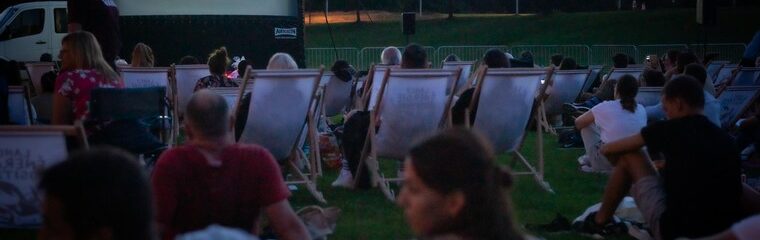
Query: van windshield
[5, 16]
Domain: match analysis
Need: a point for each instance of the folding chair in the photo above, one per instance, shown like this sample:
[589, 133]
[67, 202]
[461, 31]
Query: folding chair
[129, 108]
[747, 76]
[187, 76]
[735, 102]
[316, 113]
[25, 152]
[371, 87]
[230, 95]
[565, 86]
[714, 67]
[412, 103]
[724, 74]
[616, 73]
[649, 96]
[280, 102]
[593, 75]
[466, 67]
[36, 70]
[503, 118]
[20, 108]
[139, 77]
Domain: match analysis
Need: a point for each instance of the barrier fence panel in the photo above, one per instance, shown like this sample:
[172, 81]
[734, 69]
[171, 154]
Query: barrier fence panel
[657, 49]
[327, 56]
[465, 53]
[732, 52]
[602, 54]
[370, 55]
[542, 53]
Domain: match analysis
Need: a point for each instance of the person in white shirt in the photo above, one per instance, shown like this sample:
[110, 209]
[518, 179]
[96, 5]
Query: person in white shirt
[610, 121]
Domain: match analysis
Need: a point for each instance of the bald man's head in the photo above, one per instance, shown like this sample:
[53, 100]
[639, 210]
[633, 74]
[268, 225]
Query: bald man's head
[208, 114]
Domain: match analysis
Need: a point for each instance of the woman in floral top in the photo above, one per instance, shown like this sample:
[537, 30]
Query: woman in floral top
[83, 69]
[217, 63]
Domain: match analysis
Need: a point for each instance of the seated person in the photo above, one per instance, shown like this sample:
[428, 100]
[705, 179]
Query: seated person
[43, 103]
[711, 106]
[96, 194]
[454, 189]
[652, 78]
[390, 56]
[556, 60]
[217, 64]
[494, 58]
[697, 191]
[610, 121]
[142, 56]
[568, 63]
[213, 180]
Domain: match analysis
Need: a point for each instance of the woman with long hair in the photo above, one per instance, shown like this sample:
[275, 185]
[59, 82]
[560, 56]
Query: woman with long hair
[610, 121]
[83, 68]
[142, 56]
[217, 64]
[454, 189]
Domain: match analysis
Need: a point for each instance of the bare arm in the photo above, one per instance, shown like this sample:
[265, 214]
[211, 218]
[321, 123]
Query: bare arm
[285, 222]
[627, 144]
[584, 120]
[62, 113]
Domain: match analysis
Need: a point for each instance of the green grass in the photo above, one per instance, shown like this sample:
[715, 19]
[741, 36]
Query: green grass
[627, 27]
[368, 215]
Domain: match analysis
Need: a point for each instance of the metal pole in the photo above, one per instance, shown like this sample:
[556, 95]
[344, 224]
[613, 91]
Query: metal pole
[420, 7]
[327, 6]
[517, 7]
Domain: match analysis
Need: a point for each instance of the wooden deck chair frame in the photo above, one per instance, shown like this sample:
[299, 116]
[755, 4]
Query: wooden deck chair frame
[536, 171]
[464, 75]
[315, 110]
[594, 72]
[369, 155]
[719, 79]
[29, 114]
[171, 94]
[746, 70]
[367, 88]
[185, 78]
[332, 97]
[716, 64]
[309, 180]
[744, 108]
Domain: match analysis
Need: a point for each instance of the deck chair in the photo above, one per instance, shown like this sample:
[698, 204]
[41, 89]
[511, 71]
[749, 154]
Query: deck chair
[280, 102]
[565, 86]
[36, 70]
[593, 75]
[412, 103]
[371, 87]
[616, 73]
[26, 151]
[735, 102]
[336, 94]
[140, 77]
[187, 76]
[649, 96]
[316, 114]
[230, 95]
[714, 67]
[503, 118]
[20, 109]
[747, 76]
[466, 67]
[724, 74]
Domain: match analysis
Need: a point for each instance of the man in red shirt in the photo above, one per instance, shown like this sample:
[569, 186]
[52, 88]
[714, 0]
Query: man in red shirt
[213, 180]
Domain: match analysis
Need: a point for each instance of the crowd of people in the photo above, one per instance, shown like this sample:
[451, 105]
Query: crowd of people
[673, 158]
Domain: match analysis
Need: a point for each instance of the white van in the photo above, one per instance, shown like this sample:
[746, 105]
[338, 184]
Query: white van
[28, 30]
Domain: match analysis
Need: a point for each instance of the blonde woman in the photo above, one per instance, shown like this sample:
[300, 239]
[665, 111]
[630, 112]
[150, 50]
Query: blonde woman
[142, 56]
[83, 68]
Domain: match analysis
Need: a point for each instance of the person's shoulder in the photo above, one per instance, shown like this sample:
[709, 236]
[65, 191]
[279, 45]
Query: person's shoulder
[173, 156]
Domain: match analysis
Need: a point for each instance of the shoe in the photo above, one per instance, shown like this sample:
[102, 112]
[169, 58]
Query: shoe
[589, 226]
[583, 160]
[345, 180]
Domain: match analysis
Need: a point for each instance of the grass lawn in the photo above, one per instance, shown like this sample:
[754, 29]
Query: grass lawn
[368, 215]
[665, 26]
